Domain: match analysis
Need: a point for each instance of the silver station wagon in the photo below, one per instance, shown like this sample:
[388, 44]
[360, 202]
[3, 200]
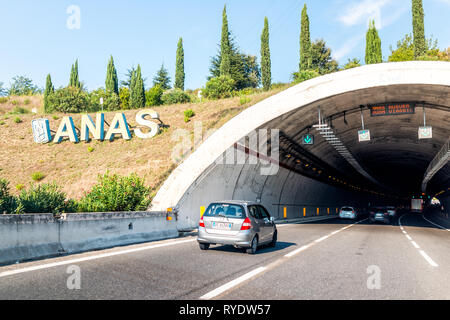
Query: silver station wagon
[239, 223]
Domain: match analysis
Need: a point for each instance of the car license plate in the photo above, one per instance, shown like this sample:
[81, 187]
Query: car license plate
[222, 225]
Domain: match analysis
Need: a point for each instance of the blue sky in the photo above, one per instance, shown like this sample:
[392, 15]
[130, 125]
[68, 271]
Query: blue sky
[36, 40]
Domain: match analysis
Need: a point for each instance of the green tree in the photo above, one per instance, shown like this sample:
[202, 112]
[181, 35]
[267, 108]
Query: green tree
[266, 64]
[74, 78]
[49, 90]
[305, 41]
[352, 63]
[112, 82]
[420, 44]
[128, 76]
[23, 86]
[404, 51]
[179, 72]
[137, 95]
[373, 45]
[162, 78]
[321, 58]
[3, 91]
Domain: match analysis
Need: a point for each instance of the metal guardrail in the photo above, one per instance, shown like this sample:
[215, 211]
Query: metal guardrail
[441, 159]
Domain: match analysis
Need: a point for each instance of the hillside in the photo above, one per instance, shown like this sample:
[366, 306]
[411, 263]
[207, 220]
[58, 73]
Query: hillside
[75, 167]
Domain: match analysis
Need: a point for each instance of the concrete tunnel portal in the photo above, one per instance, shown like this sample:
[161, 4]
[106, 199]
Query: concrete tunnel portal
[307, 180]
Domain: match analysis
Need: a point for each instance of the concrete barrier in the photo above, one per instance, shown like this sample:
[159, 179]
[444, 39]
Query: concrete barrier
[34, 236]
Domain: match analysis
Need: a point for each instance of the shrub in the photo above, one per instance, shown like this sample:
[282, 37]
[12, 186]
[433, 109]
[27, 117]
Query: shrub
[20, 187]
[111, 101]
[15, 102]
[3, 100]
[55, 117]
[304, 75]
[7, 202]
[2, 123]
[27, 101]
[90, 149]
[188, 114]
[175, 96]
[37, 176]
[124, 97]
[244, 100]
[218, 88]
[43, 198]
[69, 100]
[153, 96]
[17, 120]
[115, 193]
[19, 110]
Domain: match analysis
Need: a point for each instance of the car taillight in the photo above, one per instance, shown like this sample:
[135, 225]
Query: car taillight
[246, 225]
[371, 212]
[386, 213]
[201, 223]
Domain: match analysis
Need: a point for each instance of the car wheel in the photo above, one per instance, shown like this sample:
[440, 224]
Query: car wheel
[274, 240]
[204, 246]
[254, 246]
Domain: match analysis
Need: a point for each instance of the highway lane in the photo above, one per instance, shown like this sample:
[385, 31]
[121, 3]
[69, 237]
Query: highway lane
[334, 268]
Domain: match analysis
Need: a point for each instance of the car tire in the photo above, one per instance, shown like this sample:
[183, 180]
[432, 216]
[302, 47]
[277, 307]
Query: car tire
[273, 243]
[204, 246]
[254, 246]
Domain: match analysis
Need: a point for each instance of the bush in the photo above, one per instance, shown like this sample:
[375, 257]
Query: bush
[124, 97]
[111, 101]
[244, 100]
[27, 101]
[188, 114]
[7, 202]
[44, 198]
[37, 176]
[218, 88]
[14, 102]
[19, 110]
[115, 193]
[17, 120]
[153, 96]
[68, 100]
[3, 100]
[304, 75]
[175, 96]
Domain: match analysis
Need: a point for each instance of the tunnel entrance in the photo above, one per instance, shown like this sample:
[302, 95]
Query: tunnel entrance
[317, 178]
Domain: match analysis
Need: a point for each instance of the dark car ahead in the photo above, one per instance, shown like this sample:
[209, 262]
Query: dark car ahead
[380, 214]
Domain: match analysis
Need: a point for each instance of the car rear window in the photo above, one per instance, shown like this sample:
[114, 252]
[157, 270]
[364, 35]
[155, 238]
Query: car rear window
[225, 210]
[347, 209]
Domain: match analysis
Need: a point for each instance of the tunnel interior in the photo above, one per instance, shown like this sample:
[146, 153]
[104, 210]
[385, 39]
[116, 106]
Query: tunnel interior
[316, 179]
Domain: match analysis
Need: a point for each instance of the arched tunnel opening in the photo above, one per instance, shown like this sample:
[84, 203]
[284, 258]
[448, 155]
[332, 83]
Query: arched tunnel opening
[270, 162]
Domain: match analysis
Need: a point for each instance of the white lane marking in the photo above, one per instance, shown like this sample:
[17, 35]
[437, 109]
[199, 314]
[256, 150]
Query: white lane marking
[404, 232]
[321, 239]
[437, 225]
[429, 260]
[293, 253]
[231, 284]
[247, 276]
[423, 253]
[94, 257]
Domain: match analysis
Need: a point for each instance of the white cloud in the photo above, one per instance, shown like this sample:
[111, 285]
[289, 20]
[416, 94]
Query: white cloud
[348, 46]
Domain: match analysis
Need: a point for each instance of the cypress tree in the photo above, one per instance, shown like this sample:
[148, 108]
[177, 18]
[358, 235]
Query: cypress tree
[373, 45]
[420, 45]
[265, 57]
[137, 95]
[49, 89]
[74, 79]
[305, 41]
[225, 46]
[112, 82]
[179, 73]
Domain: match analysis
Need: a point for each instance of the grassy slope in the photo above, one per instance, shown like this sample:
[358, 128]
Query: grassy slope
[74, 168]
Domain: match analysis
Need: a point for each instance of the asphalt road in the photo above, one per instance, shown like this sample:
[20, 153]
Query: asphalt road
[330, 259]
